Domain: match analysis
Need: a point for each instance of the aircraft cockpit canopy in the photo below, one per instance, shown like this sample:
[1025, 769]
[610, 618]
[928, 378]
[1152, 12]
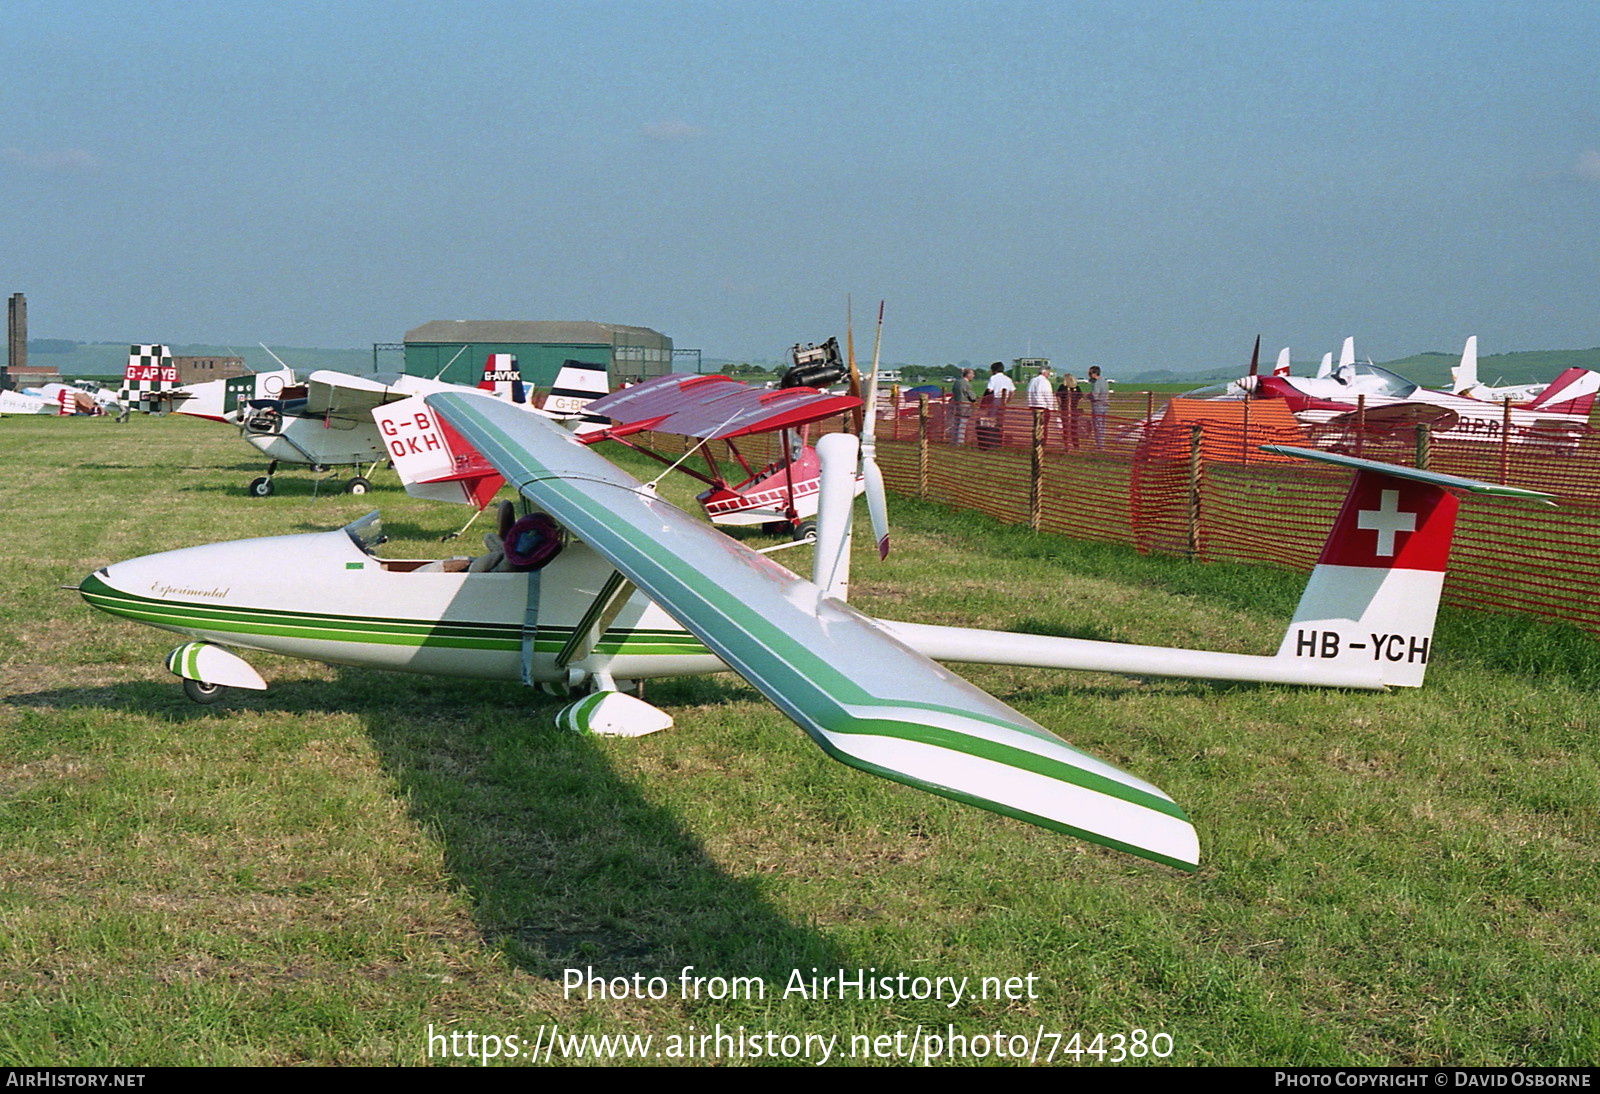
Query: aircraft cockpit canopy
[1380, 381]
[367, 532]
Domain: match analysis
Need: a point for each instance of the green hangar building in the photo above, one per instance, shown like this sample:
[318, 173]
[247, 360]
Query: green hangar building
[454, 349]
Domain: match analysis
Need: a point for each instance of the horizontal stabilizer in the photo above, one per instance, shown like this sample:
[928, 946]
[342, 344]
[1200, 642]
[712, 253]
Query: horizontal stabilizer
[1435, 478]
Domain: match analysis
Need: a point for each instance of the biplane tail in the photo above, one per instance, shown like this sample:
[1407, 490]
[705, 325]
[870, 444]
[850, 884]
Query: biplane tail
[1572, 392]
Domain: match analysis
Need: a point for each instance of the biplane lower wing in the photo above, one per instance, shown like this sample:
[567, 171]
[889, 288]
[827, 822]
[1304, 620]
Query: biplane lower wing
[866, 698]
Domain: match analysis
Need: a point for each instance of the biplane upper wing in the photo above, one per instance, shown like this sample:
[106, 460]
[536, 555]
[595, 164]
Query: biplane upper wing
[863, 696]
[714, 407]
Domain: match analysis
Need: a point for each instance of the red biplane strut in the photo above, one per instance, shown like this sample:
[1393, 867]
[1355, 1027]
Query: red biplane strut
[717, 408]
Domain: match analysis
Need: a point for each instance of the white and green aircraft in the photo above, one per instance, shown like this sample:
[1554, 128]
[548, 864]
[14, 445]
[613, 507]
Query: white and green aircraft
[616, 586]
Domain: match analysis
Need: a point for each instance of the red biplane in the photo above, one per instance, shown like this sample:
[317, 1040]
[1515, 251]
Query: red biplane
[717, 408]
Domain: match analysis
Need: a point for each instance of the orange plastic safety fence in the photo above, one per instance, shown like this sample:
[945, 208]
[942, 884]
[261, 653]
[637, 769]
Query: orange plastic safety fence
[1195, 483]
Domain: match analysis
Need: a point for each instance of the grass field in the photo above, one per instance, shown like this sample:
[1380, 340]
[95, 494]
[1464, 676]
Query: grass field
[325, 872]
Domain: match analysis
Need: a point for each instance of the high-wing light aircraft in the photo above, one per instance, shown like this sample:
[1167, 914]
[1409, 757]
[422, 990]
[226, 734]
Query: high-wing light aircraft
[603, 584]
[1379, 399]
[326, 420]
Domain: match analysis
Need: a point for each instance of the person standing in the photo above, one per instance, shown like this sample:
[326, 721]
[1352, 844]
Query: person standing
[996, 396]
[1099, 403]
[1068, 395]
[1042, 395]
[1000, 385]
[961, 400]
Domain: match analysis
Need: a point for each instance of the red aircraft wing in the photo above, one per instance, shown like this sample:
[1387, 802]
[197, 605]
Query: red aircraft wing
[713, 407]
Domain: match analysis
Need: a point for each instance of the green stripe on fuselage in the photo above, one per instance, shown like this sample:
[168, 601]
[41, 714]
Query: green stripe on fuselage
[318, 626]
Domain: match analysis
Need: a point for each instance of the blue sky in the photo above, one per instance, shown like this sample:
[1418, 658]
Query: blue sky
[1139, 185]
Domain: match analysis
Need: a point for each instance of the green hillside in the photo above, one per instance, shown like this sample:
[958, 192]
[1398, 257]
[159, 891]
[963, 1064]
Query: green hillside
[1430, 369]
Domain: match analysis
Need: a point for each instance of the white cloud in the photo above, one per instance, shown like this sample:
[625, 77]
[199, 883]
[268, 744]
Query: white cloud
[1588, 166]
[59, 159]
[672, 130]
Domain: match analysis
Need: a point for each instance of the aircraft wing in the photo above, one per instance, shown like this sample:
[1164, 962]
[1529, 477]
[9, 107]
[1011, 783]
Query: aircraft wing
[714, 407]
[342, 395]
[866, 698]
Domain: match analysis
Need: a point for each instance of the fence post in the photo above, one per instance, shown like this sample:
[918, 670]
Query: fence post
[1149, 406]
[1036, 477]
[1505, 443]
[1244, 444]
[1195, 448]
[922, 446]
[1423, 435]
[1361, 423]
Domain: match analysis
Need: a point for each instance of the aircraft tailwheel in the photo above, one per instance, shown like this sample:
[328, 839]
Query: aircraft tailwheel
[806, 530]
[357, 485]
[260, 488]
[204, 693]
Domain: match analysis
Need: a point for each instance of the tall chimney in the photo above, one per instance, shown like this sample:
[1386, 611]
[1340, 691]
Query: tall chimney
[16, 336]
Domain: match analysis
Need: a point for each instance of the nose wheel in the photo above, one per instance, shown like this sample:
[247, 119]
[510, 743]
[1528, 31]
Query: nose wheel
[204, 693]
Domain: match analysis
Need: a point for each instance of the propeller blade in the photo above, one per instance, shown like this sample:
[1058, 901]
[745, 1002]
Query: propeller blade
[877, 503]
[850, 351]
[1255, 356]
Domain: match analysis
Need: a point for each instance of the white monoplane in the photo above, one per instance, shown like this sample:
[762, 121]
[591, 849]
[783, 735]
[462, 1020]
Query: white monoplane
[1352, 394]
[603, 584]
[326, 420]
[17, 402]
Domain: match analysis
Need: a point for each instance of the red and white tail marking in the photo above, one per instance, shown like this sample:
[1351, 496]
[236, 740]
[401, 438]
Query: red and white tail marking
[1374, 594]
[503, 378]
[433, 460]
[1572, 392]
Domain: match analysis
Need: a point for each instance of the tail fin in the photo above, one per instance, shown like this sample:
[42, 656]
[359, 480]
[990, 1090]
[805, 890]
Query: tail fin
[578, 384]
[1282, 367]
[502, 378]
[1325, 369]
[1374, 594]
[148, 375]
[433, 460]
[1572, 392]
[1464, 377]
[1347, 362]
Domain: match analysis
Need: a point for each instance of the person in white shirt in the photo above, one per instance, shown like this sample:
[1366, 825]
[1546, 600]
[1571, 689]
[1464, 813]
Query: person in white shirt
[1000, 385]
[1041, 389]
[1042, 397]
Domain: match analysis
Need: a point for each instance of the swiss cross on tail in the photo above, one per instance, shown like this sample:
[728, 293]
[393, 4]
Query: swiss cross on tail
[1394, 524]
[1374, 594]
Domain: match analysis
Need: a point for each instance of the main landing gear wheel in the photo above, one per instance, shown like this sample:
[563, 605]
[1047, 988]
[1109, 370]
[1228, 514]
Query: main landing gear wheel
[806, 530]
[357, 485]
[260, 488]
[204, 693]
